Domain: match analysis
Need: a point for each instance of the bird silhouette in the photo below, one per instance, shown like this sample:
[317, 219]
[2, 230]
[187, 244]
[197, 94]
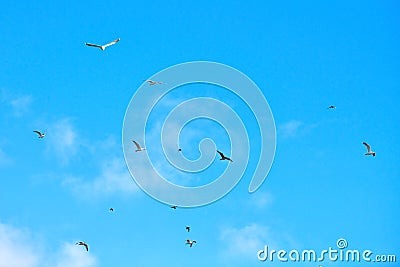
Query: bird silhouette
[223, 157]
[369, 151]
[331, 107]
[190, 243]
[138, 147]
[103, 47]
[41, 135]
[188, 228]
[111, 209]
[174, 207]
[81, 243]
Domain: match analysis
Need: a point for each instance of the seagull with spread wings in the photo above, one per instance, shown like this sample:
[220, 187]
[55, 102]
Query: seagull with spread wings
[138, 147]
[223, 157]
[103, 47]
[41, 135]
[151, 82]
[369, 151]
[331, 107]
[81, 243]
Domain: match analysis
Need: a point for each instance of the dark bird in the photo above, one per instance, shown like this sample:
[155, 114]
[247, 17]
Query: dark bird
[331, 107]
[174, 207]
[179, 149]
[369, 151]
[188, 228]
[103, 47]
[111, 209]
[41, 135]
[223, 157]
[81, 243]
[151, 82]
[138, 147]
[190, 243]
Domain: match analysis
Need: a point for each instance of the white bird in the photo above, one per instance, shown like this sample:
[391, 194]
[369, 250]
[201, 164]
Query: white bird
[151, 82]
[81, 243]
[139, 148]
[103, 47]
[369, 151]
[41, 135]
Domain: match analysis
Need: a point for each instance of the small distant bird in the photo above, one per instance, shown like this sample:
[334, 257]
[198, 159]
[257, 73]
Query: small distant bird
[151, 82]
[190, 243]
[81, 243]
[111, 209]
[223, 157]
[174, 207]
[369, 151]
[103, 47]
[188, 228]
[139, 148]
[41, 135]
[179, 149]
[331, 107]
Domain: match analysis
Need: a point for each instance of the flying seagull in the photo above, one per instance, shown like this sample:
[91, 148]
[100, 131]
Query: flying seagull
[174, 207]
[188, 228]
[81, 243]
[369, 151]
[139, 148]
[223, 157]
[190, 243]
[331, 107]
[41, 135]
[111, 209]
[151, 82]
[103, 47]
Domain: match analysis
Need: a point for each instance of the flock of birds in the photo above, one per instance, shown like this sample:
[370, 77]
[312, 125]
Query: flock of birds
[139, 148]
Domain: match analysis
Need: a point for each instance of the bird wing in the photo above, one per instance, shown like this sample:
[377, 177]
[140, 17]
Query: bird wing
[368, 146]
[86, 246]
[112, 43]
[39, 133]
[220, 153]
[137, 145]
[94, 45]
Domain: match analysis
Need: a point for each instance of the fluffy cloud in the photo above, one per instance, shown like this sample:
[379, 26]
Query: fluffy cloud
[18, 248]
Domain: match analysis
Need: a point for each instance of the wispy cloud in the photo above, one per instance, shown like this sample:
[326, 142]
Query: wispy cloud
[71, 255]
[114, 178]
[18, 248]
[19, 104]
[290, 128]
[62, 140]
[243, 243]
[4, 158]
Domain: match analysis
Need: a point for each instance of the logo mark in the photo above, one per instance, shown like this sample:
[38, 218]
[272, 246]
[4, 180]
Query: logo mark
[136, 127]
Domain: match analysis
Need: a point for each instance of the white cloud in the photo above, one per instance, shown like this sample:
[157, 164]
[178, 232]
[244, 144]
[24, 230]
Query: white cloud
[19, 248]
[16, 249]
[114, 178]
[19, 104]
[243, 243]
[62, 140]
[290, 128]
[72, 255]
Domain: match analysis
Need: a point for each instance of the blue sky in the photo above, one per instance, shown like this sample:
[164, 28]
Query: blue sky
[303, 55]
